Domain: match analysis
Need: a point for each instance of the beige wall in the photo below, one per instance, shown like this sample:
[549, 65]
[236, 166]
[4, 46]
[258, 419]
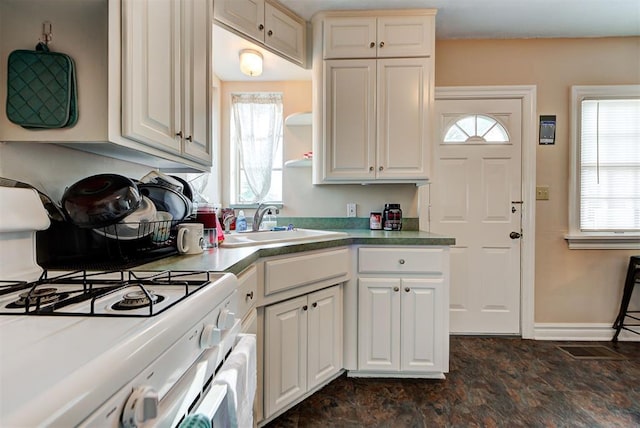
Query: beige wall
[301, 198]
[572, 286]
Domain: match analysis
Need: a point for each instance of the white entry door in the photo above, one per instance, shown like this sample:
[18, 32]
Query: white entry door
[475, 196]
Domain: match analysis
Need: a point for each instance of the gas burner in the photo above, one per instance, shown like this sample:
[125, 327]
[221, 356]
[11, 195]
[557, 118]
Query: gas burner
[39, 296]
[137, 299]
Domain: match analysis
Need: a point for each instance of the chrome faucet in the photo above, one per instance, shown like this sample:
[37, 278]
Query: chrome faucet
[226, 222]
[260, 211]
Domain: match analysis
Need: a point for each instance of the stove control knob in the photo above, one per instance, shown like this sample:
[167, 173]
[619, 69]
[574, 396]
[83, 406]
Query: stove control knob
[210, 337]
[141, 406]
[226, 319]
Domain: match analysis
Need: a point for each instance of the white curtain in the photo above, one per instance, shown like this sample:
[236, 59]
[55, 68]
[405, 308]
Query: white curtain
[258, 127]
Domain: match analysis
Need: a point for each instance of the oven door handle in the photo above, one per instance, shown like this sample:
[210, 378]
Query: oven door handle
[213, 401]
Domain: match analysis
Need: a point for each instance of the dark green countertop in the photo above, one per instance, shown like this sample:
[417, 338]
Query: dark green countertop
[235, 260]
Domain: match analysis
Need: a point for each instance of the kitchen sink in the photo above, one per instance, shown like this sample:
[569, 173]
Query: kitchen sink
[263, 237]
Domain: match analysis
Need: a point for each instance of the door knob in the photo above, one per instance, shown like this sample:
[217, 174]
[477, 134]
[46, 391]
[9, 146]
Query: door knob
[372, 44]
[260, 27]
[269, 33]
[514, 235]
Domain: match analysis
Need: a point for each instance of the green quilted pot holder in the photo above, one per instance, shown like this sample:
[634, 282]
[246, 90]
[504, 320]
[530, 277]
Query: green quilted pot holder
[41, 89]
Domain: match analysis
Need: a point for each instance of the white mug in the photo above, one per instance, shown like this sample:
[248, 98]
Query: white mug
[190, 238]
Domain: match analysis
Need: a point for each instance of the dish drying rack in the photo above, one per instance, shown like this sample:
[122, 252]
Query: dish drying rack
[66, 246]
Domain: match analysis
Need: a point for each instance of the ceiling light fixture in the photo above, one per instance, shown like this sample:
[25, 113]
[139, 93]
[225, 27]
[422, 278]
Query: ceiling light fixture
[251, 62]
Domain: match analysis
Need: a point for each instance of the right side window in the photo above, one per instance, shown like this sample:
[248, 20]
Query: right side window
[605, 185]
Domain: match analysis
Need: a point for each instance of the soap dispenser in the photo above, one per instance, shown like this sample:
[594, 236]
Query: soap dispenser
[241, 222]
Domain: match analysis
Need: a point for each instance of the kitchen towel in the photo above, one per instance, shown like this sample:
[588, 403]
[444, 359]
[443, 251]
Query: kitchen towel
[240, 375]
[41, 89]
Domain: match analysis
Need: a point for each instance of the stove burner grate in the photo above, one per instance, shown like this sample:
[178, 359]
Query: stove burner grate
[137, 299]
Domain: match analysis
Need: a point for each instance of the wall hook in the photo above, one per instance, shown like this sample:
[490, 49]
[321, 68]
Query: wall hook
[47, 32]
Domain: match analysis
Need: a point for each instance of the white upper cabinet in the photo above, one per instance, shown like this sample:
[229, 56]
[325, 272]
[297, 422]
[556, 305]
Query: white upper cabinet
[374, 120]
[266, 22]
[142, 71]
[370, 37]
[165, 76]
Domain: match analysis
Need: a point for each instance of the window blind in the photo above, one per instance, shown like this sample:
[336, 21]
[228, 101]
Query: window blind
[610, 165]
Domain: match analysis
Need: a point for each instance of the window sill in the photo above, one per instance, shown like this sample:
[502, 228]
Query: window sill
[603, 242]
[254, 206]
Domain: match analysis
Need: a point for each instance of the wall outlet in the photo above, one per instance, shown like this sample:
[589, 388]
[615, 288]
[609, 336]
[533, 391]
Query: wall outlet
[542, 193]
[351, 209]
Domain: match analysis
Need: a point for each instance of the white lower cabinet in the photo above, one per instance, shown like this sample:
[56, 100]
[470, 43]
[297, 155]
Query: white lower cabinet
[402, 312]
[303, 346]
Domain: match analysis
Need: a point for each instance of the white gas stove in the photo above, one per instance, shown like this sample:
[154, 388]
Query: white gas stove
[117, 348]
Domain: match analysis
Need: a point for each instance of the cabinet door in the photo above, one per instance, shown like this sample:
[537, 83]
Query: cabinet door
[284, 33]
[404, 93]
[285, 376]
[423, 332]
[349, 37]
[405, 36]
[349, 134]
[324, 335]
[245, 16]
[195, 71]
[379, 324]
[151, 73]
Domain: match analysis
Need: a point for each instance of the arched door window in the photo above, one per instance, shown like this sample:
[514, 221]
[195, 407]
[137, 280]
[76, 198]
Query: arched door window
[476, 128]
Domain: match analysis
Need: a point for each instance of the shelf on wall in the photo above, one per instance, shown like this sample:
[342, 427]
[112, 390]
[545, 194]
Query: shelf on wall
[298, 119]
[298, 163]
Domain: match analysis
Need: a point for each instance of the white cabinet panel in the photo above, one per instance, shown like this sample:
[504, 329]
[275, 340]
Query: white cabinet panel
[404, 94]
[296, 271]
[151, 73]
[379, 324]
[401, 260]
[246, 16]
[285, 353]
[196, 88]
[284, 33]
[403, 326]
[165, 76]
[422, 312]
[405, 36]
[324, 335]
[350, 37]
[302, 346]
[268, 23]
[350, 119]
[371, 37]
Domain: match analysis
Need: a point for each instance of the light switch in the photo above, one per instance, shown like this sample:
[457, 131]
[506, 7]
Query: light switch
[542, 193]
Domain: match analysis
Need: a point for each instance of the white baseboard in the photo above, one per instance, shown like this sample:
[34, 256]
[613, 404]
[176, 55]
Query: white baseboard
[580, 332]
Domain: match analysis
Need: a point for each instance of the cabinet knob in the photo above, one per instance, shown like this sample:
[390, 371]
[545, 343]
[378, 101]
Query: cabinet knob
[381, 44]
[260, 27]
[269, 33]
[380, 168]
[396, 289]
[305, 307]
[179, 134]
[372, 44]
[401, 261]
[250, 295]
[315, 304]
[407, 289]
[370, 168]
[189, 138]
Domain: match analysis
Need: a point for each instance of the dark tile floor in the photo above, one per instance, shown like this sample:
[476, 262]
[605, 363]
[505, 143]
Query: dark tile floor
[493, 382]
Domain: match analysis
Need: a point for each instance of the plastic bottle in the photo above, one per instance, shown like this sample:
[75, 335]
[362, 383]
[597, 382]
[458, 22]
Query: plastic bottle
[241, 222]
[269, 221]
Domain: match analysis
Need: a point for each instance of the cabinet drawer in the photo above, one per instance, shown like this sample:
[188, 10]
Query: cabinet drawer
[247, 290]
[401, 260]
[305, 269]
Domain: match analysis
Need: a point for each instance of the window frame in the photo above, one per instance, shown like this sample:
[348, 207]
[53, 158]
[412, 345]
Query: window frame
[576, 238]
[236, 169]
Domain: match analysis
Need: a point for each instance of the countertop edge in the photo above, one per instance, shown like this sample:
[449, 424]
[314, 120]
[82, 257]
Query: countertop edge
[235, 260]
